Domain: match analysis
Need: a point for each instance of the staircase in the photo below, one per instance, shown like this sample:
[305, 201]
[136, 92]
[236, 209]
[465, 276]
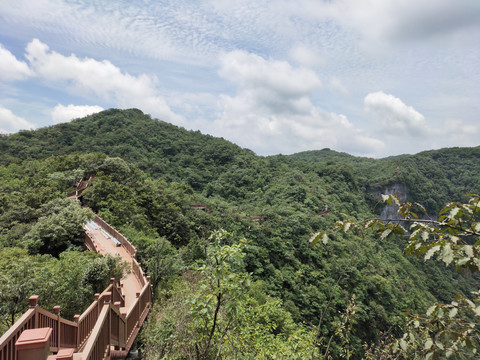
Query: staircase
[105, 330]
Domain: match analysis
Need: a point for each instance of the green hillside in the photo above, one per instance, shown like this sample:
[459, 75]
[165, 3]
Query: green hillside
[171, 191]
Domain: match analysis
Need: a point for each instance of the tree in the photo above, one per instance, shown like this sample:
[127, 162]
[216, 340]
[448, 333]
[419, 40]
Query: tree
[446, 330]
[98, 273]
[17, 281]
[202, 319]
[162, 261]
[58, 228]
[222, 286]
[213, 313]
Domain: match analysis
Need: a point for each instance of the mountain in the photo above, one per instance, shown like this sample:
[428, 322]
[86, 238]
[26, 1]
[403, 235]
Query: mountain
[152, 179]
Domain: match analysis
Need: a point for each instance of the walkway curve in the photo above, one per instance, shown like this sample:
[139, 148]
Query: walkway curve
[106, 329]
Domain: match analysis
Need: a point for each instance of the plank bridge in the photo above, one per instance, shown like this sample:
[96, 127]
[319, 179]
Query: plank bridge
[107, 328]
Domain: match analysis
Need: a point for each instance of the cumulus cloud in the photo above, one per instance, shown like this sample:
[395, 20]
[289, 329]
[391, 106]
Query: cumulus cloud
[61, 113]
[270, 85]
[98, 78]
[395, 117]
[252, 71]
[9, 122]
[10, 68]
[272, 111]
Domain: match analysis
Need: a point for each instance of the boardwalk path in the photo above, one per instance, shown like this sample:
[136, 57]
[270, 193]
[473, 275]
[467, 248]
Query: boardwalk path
[102, 331]
[106, 245]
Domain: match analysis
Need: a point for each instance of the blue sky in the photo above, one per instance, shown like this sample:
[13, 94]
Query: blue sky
[371, 78]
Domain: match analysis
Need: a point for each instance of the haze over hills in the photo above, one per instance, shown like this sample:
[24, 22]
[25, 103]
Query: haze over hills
[148, 178]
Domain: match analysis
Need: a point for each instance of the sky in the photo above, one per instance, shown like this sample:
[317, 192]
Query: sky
[368, 77]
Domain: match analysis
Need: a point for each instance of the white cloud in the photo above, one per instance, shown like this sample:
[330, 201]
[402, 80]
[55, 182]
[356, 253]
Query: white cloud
[61, 113]
[272, 84]
[10, 68]
[379, 20]
[396, 118]
[89, 77]
[307, 56]
[337, 85]
[272, 111]
[9, 122]
[457, 132]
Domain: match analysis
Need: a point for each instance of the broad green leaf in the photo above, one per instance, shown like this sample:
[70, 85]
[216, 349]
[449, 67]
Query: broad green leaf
[439, 344]
[421, 207]
[453, 213]
[370, 223]
[403, 344]
[452, 313]
[385, 233]
[432, 251]
[447, 255]
[468, 250]
[387, 199]
[325, 239]
[314, 239]
[428, 344]
[431, 309]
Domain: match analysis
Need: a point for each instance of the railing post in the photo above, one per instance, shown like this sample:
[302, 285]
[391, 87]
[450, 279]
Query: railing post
[137, 294]
[150, 293]
[33, 344]
[123, 313]
[56, 311]
[108, 300]
[76, 319]
[65, 354]
[32, 304]
[99, 303]
[117, 304]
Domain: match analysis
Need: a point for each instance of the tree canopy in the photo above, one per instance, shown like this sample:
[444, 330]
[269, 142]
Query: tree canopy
[168, 190]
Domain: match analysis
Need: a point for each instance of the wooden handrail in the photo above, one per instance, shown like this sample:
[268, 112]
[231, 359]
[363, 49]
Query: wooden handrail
[7, 341]
[98, 344]
[102, 325]
[117, 235]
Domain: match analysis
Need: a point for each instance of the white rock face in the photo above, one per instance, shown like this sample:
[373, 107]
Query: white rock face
[390, 211]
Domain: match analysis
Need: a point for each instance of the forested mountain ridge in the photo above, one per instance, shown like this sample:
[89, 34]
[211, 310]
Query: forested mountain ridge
[154, 146]
[432, 177]
[147, 175]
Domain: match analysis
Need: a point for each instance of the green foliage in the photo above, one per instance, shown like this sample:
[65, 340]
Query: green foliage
[57, 282]
[211, 315]
[98, 273]
[148, 175]
[17, 281]
[58, 228]
[447, 330]
[162, 261]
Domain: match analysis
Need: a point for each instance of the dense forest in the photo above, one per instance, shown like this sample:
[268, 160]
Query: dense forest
[224, 234]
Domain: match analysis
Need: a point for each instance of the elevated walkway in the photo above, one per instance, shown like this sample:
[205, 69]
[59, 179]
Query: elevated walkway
[105, 330]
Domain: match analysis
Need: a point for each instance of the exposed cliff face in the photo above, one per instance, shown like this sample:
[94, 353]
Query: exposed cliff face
[390, 211]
